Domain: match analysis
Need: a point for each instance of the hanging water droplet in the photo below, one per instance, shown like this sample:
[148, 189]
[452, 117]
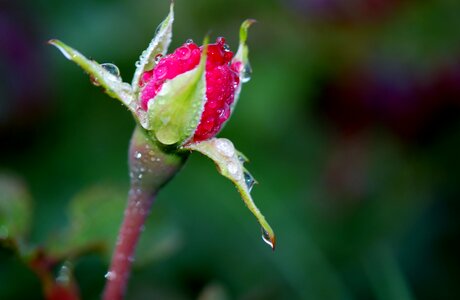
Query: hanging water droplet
[189, 41]
[110, 275]
[249, 180]
[267, 239]
[112, 69]
[246, 73]
[158, 57]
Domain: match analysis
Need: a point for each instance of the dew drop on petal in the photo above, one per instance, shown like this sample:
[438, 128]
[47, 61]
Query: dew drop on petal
[189, 41]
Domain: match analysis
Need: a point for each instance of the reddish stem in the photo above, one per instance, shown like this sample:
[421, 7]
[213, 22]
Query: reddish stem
[150, 168]
[137, 210]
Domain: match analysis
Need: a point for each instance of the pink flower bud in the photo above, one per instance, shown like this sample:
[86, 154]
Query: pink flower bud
[222, 81]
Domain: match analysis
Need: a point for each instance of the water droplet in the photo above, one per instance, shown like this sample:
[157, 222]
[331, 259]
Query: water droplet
[226, 47]
[266, 238]
[158, 57]
[112, 69]
[220, 40]
[110, 275]
[137, 64]
[241, 158]
[64, 274]
[140, 176]
[189, 41]
[249, 180]
[234, 170]
[225, 147]
[138, 155]
[183, 53]
[246, 73]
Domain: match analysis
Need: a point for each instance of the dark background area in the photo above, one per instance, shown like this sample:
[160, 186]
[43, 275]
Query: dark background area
[351, 122]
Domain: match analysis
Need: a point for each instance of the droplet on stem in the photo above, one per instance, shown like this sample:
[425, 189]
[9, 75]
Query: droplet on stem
[110, 275]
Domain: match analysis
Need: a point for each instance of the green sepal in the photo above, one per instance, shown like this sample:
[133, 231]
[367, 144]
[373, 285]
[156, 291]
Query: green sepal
[242, 56]
[175, 112]
[112, 84]
[243, 51]
[158, 45]
[229, 163]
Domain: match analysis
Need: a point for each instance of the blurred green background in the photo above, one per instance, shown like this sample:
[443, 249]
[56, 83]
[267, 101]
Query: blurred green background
[351, 122]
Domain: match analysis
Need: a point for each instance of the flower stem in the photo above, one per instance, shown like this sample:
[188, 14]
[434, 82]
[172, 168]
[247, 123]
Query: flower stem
[150, 168]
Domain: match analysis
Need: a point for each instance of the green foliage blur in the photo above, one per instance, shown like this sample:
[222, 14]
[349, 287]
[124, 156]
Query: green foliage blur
[351, 122]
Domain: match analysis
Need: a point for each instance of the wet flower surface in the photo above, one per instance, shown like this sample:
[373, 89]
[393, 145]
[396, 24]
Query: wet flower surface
[222, 81]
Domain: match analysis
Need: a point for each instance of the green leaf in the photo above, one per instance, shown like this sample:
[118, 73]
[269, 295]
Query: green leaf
[15, 209]
[95, 216]
[158, 45]
[176, 111]
[100, 75]
[230, 164]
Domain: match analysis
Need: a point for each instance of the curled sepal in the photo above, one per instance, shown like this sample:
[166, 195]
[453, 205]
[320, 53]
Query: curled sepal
[241, 57]
[158, 45]
[105, 75]
[230, 164]
[175, 112]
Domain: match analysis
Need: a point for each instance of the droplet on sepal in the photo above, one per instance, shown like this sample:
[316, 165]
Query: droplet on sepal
[249, 180]
[267, 239]
[112, 69]
[225, 147]
[246, 73]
